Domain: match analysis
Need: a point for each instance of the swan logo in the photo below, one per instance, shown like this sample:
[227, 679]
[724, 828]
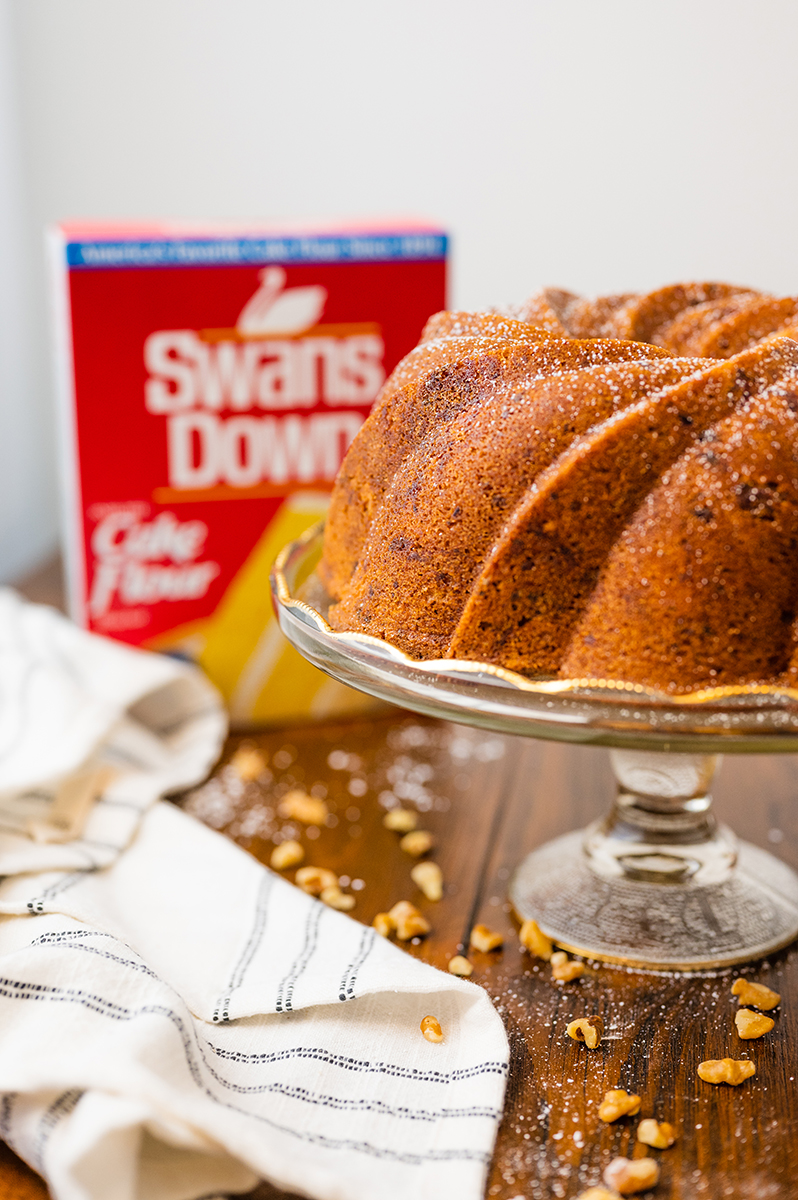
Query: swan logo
[273, 311]
[269, 403]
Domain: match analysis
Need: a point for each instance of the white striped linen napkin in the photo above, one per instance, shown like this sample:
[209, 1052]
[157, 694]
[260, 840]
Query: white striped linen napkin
[175, 1020]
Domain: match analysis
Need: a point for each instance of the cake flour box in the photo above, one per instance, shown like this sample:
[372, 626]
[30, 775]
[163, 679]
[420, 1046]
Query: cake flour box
[210, 383]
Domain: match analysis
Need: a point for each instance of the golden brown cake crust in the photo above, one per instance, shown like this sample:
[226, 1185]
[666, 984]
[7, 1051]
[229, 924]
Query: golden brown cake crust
[433, 382]
[588, 506]
[448, 503]
[695, 611]
[429, 387]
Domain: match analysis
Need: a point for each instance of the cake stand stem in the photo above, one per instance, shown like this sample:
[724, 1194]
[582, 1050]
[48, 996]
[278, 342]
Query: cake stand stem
[661, 828]
[658, 882]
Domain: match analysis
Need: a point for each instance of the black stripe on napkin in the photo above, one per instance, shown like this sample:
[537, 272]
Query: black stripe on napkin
[346, 990]
[56, 1113]
[285, 992]
[222, 1010]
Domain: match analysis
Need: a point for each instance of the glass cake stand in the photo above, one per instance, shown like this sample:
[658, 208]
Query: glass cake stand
[657, 882]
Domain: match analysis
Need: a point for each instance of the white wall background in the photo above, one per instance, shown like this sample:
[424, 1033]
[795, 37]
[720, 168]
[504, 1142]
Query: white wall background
[599, 145]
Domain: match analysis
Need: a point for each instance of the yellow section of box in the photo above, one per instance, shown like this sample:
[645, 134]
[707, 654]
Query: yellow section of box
[263, 680]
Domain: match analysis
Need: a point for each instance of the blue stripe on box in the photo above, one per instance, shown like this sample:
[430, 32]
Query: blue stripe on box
[182, 252]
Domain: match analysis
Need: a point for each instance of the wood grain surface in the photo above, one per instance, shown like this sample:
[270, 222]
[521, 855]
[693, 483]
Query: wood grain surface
[488, 800]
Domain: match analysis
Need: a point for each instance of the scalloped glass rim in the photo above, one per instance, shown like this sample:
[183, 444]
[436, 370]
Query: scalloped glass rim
[750, 718]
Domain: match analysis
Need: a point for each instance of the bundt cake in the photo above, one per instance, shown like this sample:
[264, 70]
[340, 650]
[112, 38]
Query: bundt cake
[584, 489]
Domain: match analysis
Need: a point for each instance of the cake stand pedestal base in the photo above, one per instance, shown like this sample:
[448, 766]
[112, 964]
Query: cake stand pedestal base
[657, 926]
[658, 883]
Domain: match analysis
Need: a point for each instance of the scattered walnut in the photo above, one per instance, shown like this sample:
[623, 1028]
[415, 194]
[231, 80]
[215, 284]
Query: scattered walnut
[384, 924]
[588, 1030]
[618, 1103]
[314, 880]
[752, 1024]
[429, 877]
[287, 854]
[460, 966]
[485, 939]
[597, 1193]
[726, 1070]
[431, 1028]
[564, 968]
[299, 806]
[335, 898]
[248, 763]
[756, 994]
[400, 820]
[630, 1175]
[408, 921]
[658, 1134]
[535, 941]
[418, 842]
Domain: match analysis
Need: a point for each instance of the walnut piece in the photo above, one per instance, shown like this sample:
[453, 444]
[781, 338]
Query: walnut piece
[485, 939]
[416, 843]
[299, 806]
[658, 1134]
[400, 820]
[384, 924]
[586, 1029]
[429, 878]
[287, 854]
[755, 993]
[726, 1070]
[564, 968]
[597, 1193]
[618, 1103]
[335, 898]
[248, 763]
[408, 921]
[460, 965]
[534, 940]
[314, 880]
[752, 1024]
[431, 1028]
[630, 1175]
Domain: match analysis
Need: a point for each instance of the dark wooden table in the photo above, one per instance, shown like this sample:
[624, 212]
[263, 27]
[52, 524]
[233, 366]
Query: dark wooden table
[488, 800]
